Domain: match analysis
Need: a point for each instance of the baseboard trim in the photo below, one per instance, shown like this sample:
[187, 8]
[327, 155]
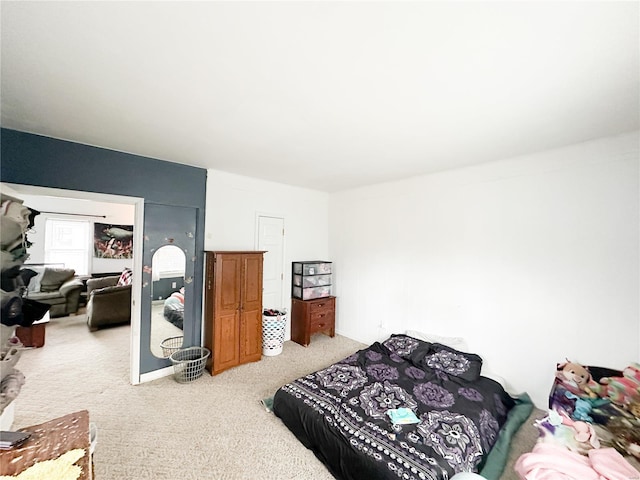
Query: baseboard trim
[156, 374]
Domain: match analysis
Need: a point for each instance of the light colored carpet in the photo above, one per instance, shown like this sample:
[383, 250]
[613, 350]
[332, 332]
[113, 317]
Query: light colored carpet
[212, 428]
[161, 329]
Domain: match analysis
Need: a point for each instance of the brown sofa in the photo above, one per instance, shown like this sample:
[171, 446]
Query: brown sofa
[108, 304]
[58, 287]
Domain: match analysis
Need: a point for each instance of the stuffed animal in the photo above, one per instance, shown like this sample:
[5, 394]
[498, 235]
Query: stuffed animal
[582, 408]
[584, 432]
[624, 390]
[559, 429]
[576, 378]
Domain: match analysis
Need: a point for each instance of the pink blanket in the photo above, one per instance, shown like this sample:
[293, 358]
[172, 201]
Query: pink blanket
[553, 462]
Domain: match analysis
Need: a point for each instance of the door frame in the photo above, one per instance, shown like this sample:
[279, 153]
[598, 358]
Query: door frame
[138, 238]
[284, 245]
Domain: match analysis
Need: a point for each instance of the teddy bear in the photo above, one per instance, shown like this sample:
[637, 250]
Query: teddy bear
[575, 378]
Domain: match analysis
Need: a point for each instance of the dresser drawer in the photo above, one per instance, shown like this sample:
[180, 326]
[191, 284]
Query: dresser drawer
[321, 321]
[322, 306]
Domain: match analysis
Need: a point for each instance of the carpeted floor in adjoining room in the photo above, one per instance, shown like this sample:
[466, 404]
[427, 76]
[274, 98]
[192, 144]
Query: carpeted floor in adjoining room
[212, 428]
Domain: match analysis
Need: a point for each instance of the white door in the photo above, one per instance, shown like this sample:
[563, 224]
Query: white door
[271, 239]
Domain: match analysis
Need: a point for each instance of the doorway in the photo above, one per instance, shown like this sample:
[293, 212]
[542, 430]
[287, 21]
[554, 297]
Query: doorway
[30, 190]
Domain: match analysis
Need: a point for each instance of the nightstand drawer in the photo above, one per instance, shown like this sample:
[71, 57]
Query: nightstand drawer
[321, 321]
[325, 305]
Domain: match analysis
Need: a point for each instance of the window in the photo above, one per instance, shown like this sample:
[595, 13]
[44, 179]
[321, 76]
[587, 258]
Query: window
[68, 242]
[168, 261]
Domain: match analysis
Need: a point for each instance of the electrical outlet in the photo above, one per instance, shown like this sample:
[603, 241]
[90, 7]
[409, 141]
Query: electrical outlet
[173, 285]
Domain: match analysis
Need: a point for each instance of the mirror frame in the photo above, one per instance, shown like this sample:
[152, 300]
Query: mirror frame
[154, 343]
[169, 225]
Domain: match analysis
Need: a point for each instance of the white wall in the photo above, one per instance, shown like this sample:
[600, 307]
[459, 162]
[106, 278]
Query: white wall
[233, 203]
[118, 214]
[532, 260]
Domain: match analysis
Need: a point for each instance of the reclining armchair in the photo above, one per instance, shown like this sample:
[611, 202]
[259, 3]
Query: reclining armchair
[109, 303]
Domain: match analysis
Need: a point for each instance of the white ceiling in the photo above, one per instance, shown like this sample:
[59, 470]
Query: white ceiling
[327, 95]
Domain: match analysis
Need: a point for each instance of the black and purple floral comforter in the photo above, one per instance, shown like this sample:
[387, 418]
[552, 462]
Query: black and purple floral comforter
[340, 412]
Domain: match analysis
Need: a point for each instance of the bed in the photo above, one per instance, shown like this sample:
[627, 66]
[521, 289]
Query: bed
[341, 413]
[173, 310]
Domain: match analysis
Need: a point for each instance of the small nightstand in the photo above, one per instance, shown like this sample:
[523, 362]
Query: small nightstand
[312, 316]
[33, 336]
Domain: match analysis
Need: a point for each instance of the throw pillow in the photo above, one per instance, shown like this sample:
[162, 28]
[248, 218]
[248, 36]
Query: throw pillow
[405, 347]
[126, 277]
[53, 278]
[453, 362]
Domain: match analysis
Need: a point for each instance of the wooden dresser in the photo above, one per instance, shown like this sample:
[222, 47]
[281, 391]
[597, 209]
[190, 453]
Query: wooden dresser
[233, 308]
[312, 316]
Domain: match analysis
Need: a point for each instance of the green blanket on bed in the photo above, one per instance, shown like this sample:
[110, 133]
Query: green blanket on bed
[497, 458]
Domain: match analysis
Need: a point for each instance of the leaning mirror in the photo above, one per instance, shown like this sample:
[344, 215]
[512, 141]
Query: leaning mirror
[167, 300]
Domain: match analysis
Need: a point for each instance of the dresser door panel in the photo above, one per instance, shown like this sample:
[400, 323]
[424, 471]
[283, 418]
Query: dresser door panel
[251, 307]
[252, 282]
[251, 336]
[226, 342]
[228, 283]
[226, 352]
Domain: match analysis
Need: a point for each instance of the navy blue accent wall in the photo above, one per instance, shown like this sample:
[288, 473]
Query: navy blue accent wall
[47, 162]
[163, 288]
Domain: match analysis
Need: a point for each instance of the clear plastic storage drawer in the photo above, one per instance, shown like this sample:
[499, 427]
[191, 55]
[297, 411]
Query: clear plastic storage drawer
[312, 268]
[311, 293]
[311, 280]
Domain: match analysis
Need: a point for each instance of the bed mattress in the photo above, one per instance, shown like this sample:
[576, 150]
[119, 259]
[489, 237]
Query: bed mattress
[341, 412]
